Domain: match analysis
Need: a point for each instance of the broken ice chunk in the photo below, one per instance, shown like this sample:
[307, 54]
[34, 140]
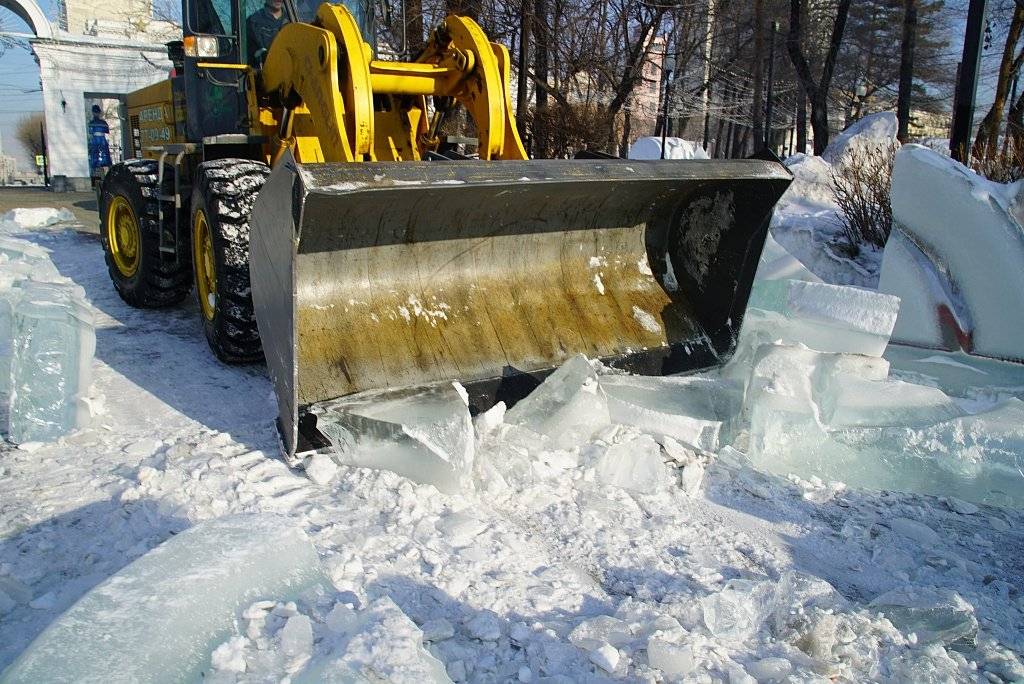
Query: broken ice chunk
[770, 669]
[230, 656]
[569, 406]
[918, 531]
[297, 637]
[850, 401]
[778, 264]
[932, 614]
[160, 618]
[53, 341]
[828, 318]
[383, 645]
[797, 378]
[972, 457]
[603, 629]
[674, 660]
[320, 468]
[738, 610]
[425, 434]
[697, 411]
[635, 466]
[605, 657]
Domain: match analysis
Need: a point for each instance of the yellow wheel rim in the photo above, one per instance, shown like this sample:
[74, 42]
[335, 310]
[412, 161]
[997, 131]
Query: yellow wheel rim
[205, 266]
[123, 236]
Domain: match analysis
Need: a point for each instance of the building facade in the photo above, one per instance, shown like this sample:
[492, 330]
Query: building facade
[98, 52]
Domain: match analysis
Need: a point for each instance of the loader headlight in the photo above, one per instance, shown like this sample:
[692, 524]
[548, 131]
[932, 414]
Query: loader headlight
[202, 46]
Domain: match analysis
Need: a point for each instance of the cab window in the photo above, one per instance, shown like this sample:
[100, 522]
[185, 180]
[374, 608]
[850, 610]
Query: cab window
[211, 17]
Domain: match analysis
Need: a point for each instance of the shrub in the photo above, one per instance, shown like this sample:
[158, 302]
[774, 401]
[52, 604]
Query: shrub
[861, 182]
[1003, 166]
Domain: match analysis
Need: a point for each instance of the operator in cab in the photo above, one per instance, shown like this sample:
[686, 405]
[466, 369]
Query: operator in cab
[261, 27]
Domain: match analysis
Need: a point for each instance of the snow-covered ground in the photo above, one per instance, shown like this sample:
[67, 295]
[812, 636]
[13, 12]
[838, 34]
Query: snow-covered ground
[712, 571]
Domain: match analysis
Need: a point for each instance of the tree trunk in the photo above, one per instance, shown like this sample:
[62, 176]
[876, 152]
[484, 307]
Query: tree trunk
[540, 70]
[758, 75]
[819, 122]
[801, 120]
[817, 91]
[626, 130]
[986, 142]
[906, 69]
[719, 148]
[522, 90]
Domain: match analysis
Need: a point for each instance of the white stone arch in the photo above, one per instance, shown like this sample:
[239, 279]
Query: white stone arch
[29, 12]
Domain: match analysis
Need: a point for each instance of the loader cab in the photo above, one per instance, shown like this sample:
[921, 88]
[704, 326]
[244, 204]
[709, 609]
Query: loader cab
[217, 37]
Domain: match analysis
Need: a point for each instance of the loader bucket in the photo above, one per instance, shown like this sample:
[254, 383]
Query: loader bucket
[389, 275]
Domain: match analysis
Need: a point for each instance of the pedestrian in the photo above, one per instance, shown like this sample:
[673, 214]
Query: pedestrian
[99, 148]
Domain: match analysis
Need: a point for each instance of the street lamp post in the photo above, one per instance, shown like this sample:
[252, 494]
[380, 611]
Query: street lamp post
[668, 65]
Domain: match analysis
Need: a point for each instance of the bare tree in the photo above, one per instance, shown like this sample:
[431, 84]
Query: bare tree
[29, 132]
[817, 90]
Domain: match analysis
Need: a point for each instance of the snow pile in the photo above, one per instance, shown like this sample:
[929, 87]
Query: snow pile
[47, 341]
[812, 183]
[956, 257]
[872, 132]
[34, 218]
[675, 148]
[806, 221]
[168, 609]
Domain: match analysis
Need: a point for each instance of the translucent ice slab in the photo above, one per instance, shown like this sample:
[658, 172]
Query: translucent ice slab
[425, 434]
[976, 458]
[832, 318]
[569, 406]
[159, 618]
[933, 615]
[697, 411]
[53, 341]
[963, 290]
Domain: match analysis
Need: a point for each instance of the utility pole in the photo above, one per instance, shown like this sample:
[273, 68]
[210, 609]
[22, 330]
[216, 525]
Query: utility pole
[967, 83]
[906, 69]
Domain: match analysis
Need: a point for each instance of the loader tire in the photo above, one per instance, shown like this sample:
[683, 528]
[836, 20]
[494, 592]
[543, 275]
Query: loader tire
[222, 199]
[130, 231]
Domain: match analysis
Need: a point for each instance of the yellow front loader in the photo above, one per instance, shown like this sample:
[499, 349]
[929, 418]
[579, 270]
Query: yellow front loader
[308, 189]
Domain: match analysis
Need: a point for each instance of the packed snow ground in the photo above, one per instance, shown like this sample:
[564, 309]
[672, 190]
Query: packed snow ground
[717, 572]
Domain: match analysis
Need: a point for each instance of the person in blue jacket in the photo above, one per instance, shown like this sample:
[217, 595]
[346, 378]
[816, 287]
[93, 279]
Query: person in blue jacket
[99, 149]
